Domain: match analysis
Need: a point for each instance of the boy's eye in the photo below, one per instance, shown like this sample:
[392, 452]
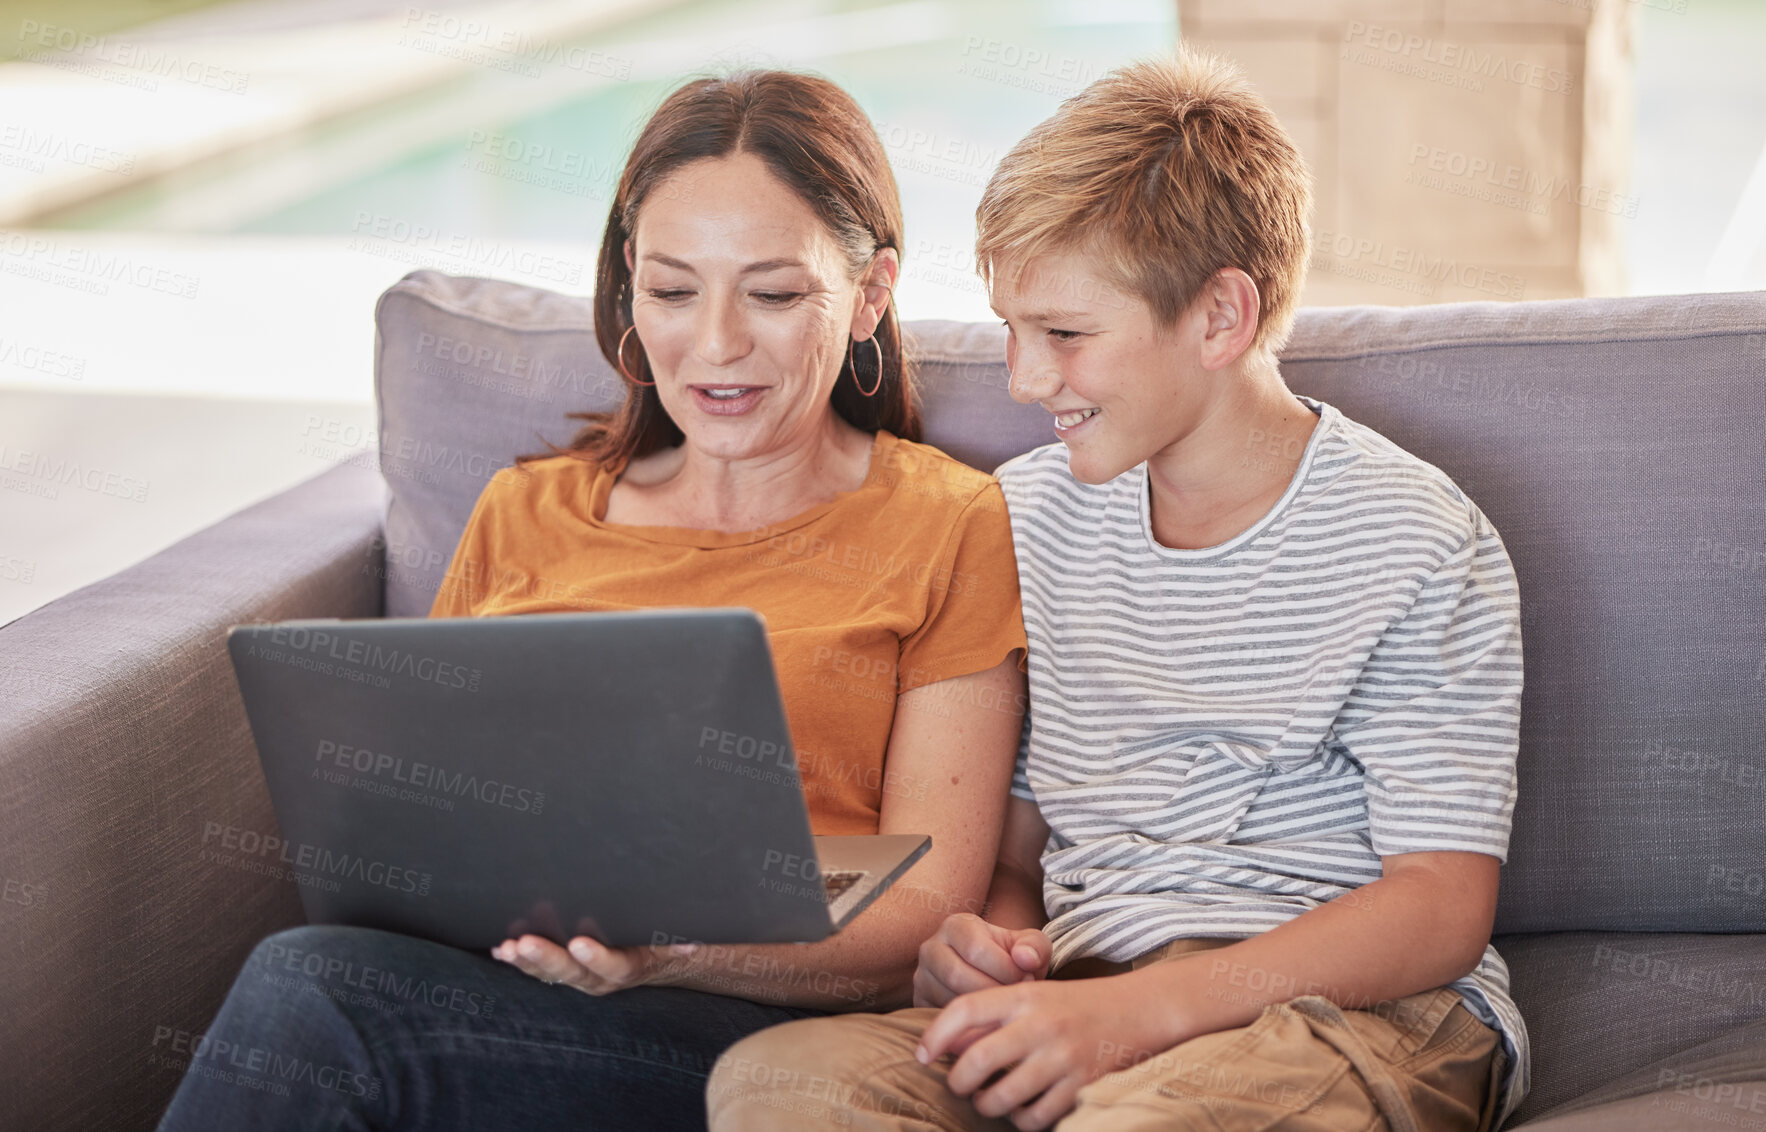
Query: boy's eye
[1064, 335]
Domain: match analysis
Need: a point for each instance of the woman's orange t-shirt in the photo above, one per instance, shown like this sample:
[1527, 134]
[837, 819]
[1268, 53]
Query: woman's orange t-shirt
[908, 580]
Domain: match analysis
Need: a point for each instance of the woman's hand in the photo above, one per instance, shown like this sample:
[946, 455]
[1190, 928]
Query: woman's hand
[970, 954]
[592, 967]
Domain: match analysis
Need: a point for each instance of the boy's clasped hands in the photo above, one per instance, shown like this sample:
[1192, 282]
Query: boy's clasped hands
[1024, 1045]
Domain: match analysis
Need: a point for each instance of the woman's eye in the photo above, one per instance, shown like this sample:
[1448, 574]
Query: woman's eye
[777, 298]
[668, 294]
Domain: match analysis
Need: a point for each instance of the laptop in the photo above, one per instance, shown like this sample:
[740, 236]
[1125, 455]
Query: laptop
[625, 776]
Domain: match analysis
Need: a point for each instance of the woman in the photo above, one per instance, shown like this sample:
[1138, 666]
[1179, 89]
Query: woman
[764, 457]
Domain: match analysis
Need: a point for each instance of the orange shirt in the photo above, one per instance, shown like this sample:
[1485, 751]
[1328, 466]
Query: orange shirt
[908, 580]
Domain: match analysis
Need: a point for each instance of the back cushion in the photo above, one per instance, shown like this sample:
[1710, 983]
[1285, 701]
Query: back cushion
[1616, 444]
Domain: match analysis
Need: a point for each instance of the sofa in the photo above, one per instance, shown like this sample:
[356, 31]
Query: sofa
[1617, 444]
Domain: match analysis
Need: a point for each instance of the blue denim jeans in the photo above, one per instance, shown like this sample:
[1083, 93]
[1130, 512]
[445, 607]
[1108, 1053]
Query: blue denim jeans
[350, 1028]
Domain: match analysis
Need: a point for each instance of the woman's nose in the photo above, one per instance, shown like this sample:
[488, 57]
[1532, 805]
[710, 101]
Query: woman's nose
[720, 337]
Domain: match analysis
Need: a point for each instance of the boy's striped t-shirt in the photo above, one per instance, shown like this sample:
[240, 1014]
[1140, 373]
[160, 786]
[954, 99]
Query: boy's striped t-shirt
[1222, 739]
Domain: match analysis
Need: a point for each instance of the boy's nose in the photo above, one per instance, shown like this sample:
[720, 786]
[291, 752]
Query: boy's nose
[1031, 382]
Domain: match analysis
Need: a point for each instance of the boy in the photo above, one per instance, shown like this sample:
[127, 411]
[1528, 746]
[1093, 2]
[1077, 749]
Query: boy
[1275, 677]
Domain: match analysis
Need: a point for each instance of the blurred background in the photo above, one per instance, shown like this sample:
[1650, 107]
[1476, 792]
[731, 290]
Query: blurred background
[200, 200]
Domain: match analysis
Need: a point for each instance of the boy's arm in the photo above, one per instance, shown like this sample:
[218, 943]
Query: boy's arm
[1422, 925]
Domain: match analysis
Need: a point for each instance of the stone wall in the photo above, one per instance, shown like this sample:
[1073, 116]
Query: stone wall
[1462, 149]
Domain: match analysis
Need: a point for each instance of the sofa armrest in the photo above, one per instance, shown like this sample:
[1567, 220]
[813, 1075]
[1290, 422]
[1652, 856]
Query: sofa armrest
[125, 759]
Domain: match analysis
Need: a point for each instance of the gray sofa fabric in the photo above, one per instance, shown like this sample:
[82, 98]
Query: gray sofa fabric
[1614, 1015]
[1614, 443]
[126, 770]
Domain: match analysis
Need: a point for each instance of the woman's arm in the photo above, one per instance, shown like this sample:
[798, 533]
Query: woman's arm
[960, 734]
[1014, 897]
[970, 953]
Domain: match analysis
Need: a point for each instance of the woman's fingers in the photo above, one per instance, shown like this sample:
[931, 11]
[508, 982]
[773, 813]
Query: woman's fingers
[586, 964]
[616, 965]
[541, 958]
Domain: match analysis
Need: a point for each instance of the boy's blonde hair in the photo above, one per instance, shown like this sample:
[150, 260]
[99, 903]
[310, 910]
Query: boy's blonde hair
[1164, 172]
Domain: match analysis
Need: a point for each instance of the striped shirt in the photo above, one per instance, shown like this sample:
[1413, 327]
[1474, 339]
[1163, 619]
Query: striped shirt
[1222, 739]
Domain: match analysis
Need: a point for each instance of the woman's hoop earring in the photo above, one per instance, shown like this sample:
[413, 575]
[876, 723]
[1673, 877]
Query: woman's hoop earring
[877, 346]
[619, 355]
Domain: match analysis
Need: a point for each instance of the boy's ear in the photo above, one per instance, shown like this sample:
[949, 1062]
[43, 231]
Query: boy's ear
[876, 288]
[1231, 308]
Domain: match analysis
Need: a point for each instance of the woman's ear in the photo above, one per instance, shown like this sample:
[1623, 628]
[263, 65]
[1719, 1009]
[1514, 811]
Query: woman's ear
[631, 262]
[876, 288]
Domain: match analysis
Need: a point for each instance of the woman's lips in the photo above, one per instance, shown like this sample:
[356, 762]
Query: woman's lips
[736, 399]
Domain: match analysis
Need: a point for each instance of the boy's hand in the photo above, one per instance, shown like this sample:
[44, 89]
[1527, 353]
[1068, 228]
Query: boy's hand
[1048, 1040]
[590, 966]
[969, 954]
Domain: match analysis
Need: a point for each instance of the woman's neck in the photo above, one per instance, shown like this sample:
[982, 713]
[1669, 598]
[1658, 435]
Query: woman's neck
[685, 486]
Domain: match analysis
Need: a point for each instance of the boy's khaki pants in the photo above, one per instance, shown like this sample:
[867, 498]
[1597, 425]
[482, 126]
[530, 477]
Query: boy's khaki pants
[1419, 1064]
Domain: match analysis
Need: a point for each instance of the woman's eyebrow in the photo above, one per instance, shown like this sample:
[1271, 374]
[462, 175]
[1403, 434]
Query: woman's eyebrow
[749, 269]
[771, 265]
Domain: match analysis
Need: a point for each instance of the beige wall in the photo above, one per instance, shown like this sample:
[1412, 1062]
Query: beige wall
[1463, 149]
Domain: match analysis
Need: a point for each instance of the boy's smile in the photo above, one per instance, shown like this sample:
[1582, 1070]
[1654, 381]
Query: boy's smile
[1096, 358]
[1124, 388]
[1092, 357]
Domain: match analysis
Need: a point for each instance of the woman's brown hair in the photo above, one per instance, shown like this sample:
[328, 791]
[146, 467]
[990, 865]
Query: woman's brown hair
[817, 141]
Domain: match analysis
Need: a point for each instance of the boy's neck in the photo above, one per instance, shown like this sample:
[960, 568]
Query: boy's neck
[1227, 473]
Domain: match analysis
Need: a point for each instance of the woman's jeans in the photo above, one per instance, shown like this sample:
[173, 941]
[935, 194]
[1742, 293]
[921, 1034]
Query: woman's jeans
[350, 1028]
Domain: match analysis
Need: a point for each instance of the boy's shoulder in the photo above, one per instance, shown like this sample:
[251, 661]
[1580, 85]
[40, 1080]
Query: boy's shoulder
[1044, 465]
[1051, 455]
[1356, 460]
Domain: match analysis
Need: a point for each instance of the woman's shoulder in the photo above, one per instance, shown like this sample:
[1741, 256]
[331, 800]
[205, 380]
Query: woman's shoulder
[932, 473]
[549, 469]
[531, 482]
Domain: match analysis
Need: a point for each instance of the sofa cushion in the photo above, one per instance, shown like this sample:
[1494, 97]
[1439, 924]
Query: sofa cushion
[1610, 440]
[1616, 1015]
[1690, 1104]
